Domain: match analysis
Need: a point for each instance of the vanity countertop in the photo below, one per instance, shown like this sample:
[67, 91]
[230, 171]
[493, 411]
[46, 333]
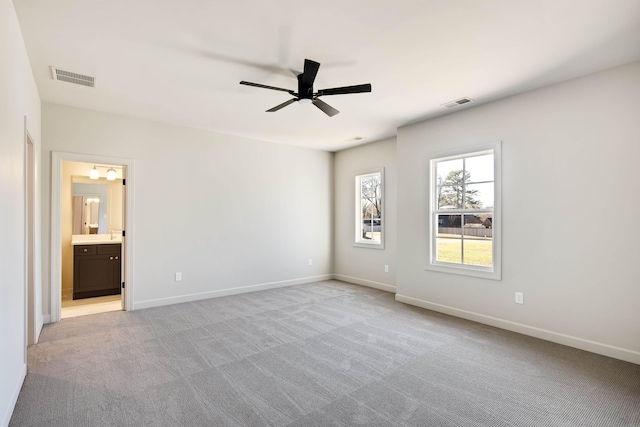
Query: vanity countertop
[95, 239]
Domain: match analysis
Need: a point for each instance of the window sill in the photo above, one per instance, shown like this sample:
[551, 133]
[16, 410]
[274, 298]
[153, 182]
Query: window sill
[465, 271]
[368, 245]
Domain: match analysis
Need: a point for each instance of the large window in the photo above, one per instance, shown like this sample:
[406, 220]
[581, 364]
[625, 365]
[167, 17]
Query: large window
[465, 215]
[369, 209]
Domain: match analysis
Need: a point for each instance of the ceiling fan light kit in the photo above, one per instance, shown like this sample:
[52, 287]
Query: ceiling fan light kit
[306, 95]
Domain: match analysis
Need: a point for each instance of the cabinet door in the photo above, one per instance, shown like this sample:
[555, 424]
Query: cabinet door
[96, 270]
[92, 273]
[116, 265]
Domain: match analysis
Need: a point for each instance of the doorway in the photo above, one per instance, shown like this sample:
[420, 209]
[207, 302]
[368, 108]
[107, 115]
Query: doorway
[91, 267]
[92, 224]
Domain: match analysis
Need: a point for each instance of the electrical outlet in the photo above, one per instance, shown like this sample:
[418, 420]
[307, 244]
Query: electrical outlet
[519, 298]
[310, 261]
[386, 268]
[178, 277]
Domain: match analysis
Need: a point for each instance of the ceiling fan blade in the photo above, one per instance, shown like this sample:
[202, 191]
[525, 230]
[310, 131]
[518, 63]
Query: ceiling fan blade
[310, 72]
[265, 86]
[284, 104]
[345, 90]
[328, 109]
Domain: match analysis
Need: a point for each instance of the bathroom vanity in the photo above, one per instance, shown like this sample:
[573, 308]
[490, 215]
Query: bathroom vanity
[96, 268]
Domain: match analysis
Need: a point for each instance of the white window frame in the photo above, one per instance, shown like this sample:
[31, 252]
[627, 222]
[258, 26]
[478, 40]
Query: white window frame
[495, 271]
[359, 241]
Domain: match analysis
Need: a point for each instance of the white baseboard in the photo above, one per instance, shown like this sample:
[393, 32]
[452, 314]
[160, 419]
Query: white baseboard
[46, 319]
[14, 396]
[226, 292]
[568, 340]
[364, 282]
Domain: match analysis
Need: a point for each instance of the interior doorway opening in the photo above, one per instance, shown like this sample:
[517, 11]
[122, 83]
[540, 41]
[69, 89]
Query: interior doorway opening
[102, 257]
[92, 228]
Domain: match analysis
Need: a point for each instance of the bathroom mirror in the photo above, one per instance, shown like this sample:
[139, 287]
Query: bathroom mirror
[100, 212]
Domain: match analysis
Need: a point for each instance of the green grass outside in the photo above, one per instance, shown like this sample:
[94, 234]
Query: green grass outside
[476, 252]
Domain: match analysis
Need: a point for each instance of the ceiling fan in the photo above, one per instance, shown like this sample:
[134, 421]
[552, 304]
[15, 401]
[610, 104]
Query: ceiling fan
[306, 95]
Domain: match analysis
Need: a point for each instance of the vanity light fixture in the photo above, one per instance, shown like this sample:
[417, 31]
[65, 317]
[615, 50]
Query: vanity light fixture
[111, 174]
[94, 174]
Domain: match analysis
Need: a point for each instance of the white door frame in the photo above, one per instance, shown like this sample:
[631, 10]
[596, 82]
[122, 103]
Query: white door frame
[55, 279]
[33, 287]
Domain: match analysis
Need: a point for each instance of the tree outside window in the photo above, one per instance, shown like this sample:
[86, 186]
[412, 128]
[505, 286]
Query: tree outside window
[369, 212]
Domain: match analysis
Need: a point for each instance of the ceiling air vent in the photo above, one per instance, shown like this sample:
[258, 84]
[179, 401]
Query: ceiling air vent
[69, 77]
[354, 139]
[457, 102]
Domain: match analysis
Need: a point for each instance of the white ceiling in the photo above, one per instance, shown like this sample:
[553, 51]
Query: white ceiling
[180, 62]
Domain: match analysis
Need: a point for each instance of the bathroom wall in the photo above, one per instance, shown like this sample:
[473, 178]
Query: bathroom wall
[114, 208]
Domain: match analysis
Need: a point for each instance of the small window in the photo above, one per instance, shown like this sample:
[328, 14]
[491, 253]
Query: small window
[465, 213]
[369, 209]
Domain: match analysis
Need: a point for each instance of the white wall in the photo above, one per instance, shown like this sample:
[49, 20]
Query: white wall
[114, 200]
[226, 212]
[18, 98]
[364, 266]
[570, 207]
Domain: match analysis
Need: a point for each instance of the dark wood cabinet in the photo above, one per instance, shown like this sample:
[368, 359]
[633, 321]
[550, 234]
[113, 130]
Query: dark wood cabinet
[96, 270]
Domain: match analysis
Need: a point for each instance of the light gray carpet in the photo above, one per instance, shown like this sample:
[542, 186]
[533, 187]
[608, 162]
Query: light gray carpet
[323, 354]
